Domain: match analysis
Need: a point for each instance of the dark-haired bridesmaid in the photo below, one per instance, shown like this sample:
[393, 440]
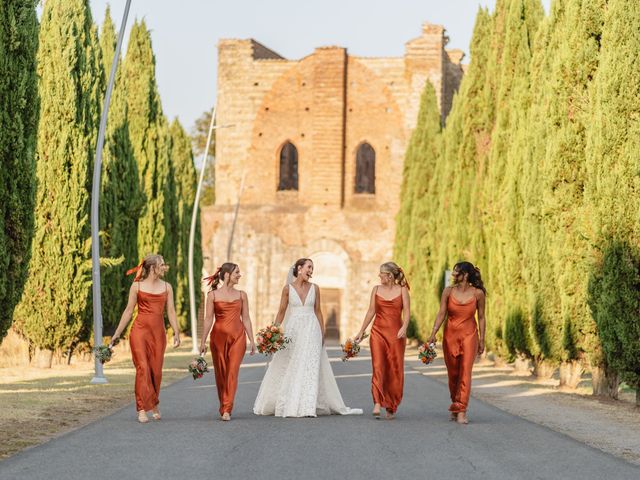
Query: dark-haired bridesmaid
[148, 338]
[389, 309]
[463, 340]
[227, 312]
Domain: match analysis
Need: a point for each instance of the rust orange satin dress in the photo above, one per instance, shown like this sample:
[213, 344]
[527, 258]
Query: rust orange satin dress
[148, 341]
[387, 353]
[460, 347]
[227, 349]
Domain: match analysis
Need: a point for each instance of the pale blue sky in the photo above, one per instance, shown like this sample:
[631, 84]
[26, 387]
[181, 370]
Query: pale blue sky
[185, 34]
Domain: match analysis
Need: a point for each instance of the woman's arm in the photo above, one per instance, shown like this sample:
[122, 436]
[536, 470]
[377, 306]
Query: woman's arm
[246, 321]
[368, 317]
[208, 322]
[173, 318]
[126, 315]
[406, 313]
[319, 311]
[482, 322]
[284, 302]
[441, 314]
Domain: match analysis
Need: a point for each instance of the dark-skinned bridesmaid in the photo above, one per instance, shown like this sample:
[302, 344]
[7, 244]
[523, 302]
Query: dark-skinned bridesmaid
[463, 337]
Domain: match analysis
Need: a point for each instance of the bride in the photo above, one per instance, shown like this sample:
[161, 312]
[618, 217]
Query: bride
[299, 381]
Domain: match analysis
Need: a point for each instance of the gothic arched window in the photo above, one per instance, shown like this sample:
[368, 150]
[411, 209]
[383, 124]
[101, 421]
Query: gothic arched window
[288, 167]
[365, 169]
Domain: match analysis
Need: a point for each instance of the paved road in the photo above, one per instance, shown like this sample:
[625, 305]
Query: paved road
[421, 443]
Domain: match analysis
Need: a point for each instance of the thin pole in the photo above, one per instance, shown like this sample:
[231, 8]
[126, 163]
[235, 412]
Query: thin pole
[95, 203]
[192, 234]
[235, 217]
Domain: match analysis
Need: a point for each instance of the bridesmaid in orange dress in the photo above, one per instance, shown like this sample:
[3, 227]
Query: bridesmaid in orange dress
[228, 312]
[389, 310]
[463, 340]
[148, 338]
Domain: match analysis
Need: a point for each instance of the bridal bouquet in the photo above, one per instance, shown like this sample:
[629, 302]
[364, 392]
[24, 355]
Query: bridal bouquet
[351, 348]
[426, 353]
[198, 367]
[271, 339]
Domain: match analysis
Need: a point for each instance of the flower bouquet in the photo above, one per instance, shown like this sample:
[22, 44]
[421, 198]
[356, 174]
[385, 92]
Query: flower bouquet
[103, 353]
[271, 339]
[426, 353]
[351, 348]
[198, 367]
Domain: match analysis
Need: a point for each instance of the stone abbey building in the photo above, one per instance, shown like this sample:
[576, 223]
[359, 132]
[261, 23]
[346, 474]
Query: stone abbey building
[313, 164]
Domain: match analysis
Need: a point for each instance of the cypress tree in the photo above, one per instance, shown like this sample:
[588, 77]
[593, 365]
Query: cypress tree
[563, 176]
[426, 158]
[540, 292]
[121, 200]
[148, 131]
[503, 197]
[611, 189]
[18, 127]
[55, 310]
[186, 184]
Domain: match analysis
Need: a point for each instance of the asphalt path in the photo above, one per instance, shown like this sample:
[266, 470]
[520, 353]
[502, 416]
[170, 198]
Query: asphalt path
[190, 441]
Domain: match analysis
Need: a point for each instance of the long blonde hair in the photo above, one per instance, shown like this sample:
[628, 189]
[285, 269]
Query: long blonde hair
[396, 271]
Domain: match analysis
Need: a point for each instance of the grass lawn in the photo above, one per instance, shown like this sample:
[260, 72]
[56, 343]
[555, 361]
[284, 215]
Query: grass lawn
[38, 404]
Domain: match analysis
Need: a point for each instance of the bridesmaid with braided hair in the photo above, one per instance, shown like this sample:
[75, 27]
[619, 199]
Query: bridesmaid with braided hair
[463, 340]
[389, 309]
[227, 316]
[148, 337]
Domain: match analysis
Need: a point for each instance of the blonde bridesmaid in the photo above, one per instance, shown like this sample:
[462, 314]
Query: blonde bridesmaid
[389, 309]
[463, 339]
[148, 337]
[227, 316]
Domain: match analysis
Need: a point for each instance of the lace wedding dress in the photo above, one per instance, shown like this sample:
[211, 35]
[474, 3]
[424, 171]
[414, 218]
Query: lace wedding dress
[299, 381]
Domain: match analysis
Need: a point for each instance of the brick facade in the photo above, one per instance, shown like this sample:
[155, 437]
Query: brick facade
[326, 104]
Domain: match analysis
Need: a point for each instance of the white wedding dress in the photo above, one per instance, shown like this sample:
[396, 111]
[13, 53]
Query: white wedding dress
[299, 381]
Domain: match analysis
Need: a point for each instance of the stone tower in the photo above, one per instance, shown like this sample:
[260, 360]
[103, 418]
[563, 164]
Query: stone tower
[313, 165]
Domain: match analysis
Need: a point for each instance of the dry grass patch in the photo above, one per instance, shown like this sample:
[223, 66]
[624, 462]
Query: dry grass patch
[38, 404]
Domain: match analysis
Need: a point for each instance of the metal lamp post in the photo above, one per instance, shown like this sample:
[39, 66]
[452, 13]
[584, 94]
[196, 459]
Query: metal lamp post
[95, 204]
[192, 233]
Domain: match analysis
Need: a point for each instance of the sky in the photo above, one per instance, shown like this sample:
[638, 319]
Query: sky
[185, 34]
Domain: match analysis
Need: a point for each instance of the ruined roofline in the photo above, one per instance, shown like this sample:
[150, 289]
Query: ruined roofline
[260, 52]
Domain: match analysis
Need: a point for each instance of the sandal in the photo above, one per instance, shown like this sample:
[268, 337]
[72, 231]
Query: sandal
[142, 416]
[155, 413]
[226, 416]
[464, 418]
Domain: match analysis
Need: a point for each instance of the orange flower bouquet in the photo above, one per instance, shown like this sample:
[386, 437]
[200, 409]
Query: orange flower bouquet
[427, 353]
[351, 348]
[271, 339]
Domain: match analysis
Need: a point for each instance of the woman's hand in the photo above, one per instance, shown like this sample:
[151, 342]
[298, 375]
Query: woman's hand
[203, 349]
[431, 339]
[358, 338]
[253, 349]
[402, 333]
[176, 340]
[114, 341]
[480, 346]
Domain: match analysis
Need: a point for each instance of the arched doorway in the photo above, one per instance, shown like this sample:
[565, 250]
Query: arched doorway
[330, 274]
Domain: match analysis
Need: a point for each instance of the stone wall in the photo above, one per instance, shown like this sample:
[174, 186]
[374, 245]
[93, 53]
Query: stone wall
[327, 104]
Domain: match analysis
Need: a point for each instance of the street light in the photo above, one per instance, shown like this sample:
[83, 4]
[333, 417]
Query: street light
[95, 204]
[192, 233]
